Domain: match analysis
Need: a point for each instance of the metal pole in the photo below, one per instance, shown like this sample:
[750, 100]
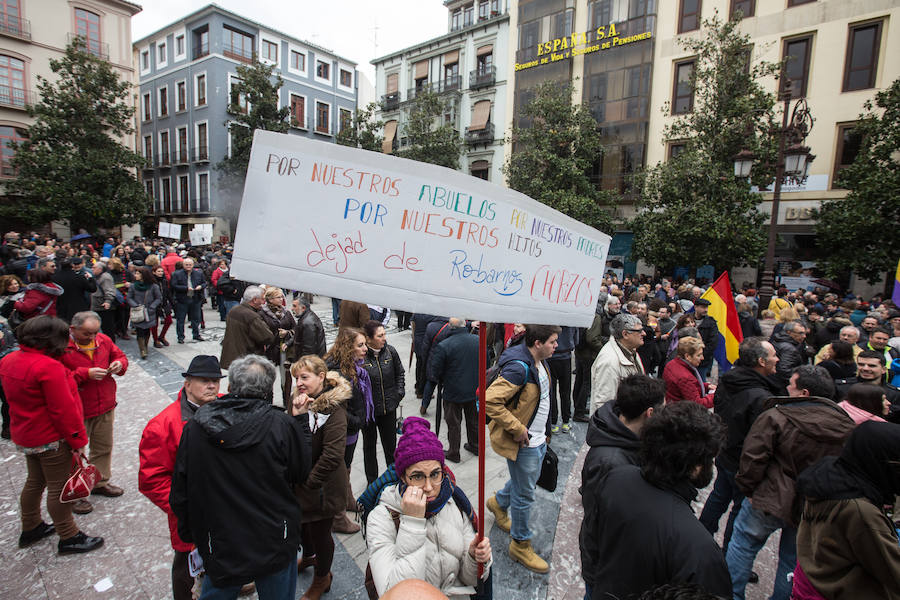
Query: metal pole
[482, 369]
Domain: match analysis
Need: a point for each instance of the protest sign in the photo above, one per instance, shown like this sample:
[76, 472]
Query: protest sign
[374, 228]
[201, 234]
[169, 230]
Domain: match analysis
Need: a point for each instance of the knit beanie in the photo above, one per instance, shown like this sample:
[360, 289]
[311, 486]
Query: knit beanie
[417, 443]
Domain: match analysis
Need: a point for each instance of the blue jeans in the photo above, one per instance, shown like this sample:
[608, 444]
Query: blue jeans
[725, 491]
[335, 310]
[517, 495]
[228, 305]
[752, 528]
[191, 310]
[281, 585]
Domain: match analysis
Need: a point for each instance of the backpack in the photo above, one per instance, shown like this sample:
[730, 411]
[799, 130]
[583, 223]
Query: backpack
[492, 374]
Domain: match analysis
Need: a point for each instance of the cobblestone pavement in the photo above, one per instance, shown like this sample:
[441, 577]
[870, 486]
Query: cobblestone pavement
[135, 561]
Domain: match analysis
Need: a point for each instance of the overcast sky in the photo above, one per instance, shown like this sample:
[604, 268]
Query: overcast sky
[359, 30]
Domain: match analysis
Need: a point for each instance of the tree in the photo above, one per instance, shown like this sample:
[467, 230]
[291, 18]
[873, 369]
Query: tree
[74, 166]
[429, 138]
[364, 132]
[253, 105]
[859, 231]
[693, 211]
[554, 156]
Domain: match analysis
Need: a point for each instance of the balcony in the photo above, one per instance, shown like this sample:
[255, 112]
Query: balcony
[11, 97]
[165, 160]
[302, 123]
[182, 156]
[148, 163]
[391, 101]
[201, 204]
[201, 50]
[237, 53]
[98, 49]
[480, 136]
[447, 84]
[481, 78]
[15, 27]
[201, 153]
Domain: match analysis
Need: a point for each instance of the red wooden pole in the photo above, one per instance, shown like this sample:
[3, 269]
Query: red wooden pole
[482, 369]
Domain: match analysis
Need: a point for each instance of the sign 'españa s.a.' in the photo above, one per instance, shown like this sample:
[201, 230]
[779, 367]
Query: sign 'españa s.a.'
[579, 43]
[374, 228]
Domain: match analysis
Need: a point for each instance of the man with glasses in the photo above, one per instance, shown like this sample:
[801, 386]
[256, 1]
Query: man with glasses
[617, 359]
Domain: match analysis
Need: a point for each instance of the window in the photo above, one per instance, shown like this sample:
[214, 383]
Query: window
[799, 2]
[323, 70]
[9, 135]
[604, 12]
[200, 89]
[161, 56]
[323, 118]
[148, 148]
[346, 119]
[298, 61]
[87, 25]
[200, 138]
[182, 156]
[166, 195]
[145, 61]
[298, 111]
[183, 193]
[11, 17]
[163, 102]
[179, 45]
[346, 78]
[562, 23]
[451, 76]
[237, 98]
[148, 186]
[796, 69]
[12, 81]
[683, 92]
[484, 62]
[468, 15]
[480, 169]
[270, 51]
[862, 56]
[747, 8]
[203, 192]
[145, 107]
[237, 45]
[201, 42]
[529, 37]
[689, 15]
[164, 148]
[181, 95]
[676, 148]
[456, 20]
[484, 10]
[848, 145]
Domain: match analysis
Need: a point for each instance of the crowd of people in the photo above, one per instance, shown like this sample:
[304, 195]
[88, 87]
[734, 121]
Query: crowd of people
[800, 436]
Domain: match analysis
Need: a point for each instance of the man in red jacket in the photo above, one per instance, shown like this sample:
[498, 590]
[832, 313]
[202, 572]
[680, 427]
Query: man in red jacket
[93, 359]
[158, 446]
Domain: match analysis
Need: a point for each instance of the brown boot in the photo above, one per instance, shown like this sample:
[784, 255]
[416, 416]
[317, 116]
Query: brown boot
[522, 552]
[320, 585]
[305, 563]
[142, 346]
[351, 502]
[342, 524]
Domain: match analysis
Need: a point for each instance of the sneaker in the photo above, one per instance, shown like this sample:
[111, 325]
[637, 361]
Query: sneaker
[554, 429]
[523, 553]
[566, 427]
[501, 517]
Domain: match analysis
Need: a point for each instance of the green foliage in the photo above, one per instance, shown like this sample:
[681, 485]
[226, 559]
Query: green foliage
[364, 132]
[429, 138]
[73, 166]
[554, 157]
[257, 88]
[859, 232]
[693, 211]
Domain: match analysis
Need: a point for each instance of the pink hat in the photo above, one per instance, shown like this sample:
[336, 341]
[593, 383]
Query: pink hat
[417, 443]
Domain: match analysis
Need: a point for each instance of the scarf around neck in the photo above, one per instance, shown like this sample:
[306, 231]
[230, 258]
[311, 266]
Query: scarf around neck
[365, 386]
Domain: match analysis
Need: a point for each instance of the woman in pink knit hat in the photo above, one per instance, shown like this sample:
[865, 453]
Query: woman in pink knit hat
[424, 526]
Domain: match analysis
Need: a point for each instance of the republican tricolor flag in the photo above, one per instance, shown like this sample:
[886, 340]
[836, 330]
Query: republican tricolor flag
[723, 310]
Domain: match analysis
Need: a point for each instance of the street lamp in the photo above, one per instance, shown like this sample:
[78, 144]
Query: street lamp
[792, 162]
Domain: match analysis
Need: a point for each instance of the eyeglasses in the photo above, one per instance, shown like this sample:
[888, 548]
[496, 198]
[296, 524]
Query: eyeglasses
[418, 478]
[635, 330]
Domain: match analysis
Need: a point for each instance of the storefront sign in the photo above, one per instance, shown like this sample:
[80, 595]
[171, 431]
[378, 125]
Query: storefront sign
[579, 43]
[374, 228]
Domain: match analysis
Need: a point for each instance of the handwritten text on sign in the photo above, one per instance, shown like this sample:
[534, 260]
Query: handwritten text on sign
[374, 228]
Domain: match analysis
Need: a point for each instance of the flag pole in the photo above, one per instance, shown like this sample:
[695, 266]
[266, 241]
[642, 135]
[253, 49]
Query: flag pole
[482, 369]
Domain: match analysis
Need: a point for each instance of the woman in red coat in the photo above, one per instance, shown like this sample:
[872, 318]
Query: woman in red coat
[683, 381]
[47, 425]
[41, 295]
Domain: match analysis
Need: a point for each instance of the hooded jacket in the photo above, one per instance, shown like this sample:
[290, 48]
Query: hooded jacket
[846, 546]
[39, 299]
[788, 437]
[739, 399]
[233, 487]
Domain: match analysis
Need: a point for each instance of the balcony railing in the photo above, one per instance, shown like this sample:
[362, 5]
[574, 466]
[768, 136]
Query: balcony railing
[182, 156]
[201, 153]
[480, 78]
[302, 123]
[447, 84]
[148, 163]
[200, 204]
[11, 97]
[480, 136]
[165, 160]
[391, 101]
[201, 50]
[98, 49]
[241, 54]
[15, 26]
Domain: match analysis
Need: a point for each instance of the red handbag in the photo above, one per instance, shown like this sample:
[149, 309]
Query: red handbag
[83, 479]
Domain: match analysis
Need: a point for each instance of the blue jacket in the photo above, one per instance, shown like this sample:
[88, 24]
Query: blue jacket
[179, 285]
[565, 344]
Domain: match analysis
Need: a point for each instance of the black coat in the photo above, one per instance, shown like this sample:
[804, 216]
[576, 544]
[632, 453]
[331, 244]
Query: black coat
[739, 399]
[179, 285]
[709, 333]
[641, 536]
[309, 337]
[790, 356]
[454, 361]
[420, 323]
[356, 405]
[386, 373]
[76, 290]
[233, 487]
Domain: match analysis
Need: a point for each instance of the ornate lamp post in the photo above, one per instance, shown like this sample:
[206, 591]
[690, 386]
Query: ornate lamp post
[792, 163]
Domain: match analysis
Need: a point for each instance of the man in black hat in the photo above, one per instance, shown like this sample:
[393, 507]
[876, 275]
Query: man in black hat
[709, 333]
[159, 444]
[77, 286]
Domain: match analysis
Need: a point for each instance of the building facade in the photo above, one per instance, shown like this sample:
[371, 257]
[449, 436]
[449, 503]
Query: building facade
[468, 68]
[186, 72]
[839, 53]
[34, 32]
